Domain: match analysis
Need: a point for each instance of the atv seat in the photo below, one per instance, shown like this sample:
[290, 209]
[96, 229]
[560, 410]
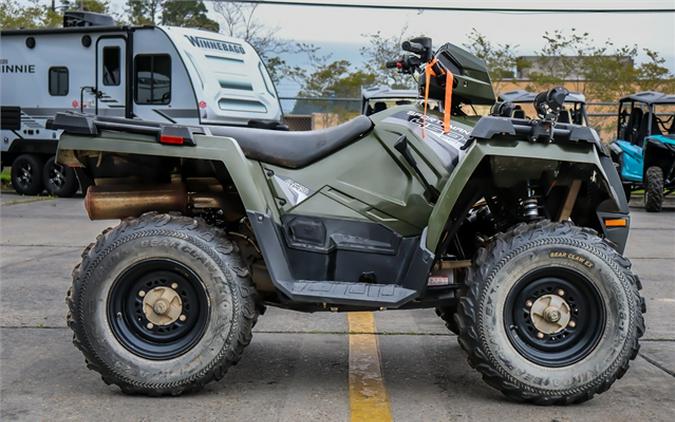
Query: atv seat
[295, 149]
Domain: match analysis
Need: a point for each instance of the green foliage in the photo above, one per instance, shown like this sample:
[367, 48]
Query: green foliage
[31, 14]
[188, 13]
[96, 6]
[143, 12]
[499, 58]
[603, 72]
[381, 49]
[334, 79]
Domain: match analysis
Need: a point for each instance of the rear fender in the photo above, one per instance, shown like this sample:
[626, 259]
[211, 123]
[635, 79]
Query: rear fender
[246, 174]
[481, 150]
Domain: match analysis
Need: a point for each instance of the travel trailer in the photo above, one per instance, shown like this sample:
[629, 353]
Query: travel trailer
[157, 73]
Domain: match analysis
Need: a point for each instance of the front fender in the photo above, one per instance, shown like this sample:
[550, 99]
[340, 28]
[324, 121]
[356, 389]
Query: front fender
[481, 149]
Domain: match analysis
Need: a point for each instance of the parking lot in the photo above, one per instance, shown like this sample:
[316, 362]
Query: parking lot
[298, 365]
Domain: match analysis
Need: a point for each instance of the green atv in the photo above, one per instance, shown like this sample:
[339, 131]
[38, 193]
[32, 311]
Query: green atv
[513, 229]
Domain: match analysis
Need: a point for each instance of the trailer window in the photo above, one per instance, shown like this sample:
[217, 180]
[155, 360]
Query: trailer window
[58, 81]
[111, 66]
[152, 81]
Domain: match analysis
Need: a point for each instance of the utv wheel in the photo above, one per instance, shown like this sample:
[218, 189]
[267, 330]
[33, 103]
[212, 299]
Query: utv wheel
[59, 179]
[27, 174]
[654, 189]
[161, 305]
[447, 314]
[552, 315]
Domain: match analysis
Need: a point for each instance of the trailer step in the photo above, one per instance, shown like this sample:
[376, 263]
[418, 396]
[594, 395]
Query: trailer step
[346, 293]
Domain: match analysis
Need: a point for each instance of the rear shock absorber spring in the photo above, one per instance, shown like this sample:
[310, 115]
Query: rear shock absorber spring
[531, 203]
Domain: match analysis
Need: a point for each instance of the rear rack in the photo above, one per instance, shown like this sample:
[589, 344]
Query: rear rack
[75, 123]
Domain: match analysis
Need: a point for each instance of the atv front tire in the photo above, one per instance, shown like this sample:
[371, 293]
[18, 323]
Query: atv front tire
[654, 189]
[552, 314]
[161, 305]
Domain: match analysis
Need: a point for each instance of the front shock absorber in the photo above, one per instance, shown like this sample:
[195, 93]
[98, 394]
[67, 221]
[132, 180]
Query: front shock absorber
[530, 204]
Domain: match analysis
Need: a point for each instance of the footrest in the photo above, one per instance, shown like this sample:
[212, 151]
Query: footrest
[345, 293]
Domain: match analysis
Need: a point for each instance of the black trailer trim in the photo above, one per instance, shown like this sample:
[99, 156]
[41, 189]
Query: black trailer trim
[73, 30]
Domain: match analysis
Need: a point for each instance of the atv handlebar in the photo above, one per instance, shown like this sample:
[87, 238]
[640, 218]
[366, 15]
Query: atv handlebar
[413, 47]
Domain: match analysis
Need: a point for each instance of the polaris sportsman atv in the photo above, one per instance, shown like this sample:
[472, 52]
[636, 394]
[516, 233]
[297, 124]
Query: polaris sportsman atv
[644, 150]
[512, 229]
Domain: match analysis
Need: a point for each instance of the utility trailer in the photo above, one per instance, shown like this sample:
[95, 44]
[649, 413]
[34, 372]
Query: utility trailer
[155, 73]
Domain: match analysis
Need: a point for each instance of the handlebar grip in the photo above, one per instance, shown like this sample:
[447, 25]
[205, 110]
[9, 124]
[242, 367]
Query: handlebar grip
[413, 47]
[391, 64]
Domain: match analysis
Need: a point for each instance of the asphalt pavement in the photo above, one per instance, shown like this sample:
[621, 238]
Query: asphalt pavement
[297, 367]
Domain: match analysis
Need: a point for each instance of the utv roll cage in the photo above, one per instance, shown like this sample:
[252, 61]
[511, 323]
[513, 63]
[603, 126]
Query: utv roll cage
[638, 118]
[577, 114]
[374, 98]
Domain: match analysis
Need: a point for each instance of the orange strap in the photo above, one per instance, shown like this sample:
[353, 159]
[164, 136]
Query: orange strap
[447, 104]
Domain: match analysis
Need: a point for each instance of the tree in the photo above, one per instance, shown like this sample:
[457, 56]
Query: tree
[603, 72]
[238, 21]
[381, 49]
[188, 13]
[563, 59]
[334, 79]
[143, 12]
[499, 58]
[96, 6]
[33, 14]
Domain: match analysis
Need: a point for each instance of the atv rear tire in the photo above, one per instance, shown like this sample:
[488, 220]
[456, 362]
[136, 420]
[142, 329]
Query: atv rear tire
[27, 174]
[58, 179]
[146, 349]
[532, 267]
[654, 189]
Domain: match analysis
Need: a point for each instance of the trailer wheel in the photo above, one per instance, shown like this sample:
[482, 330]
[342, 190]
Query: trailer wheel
[59, 179]
[654, 189]
[552, 315]
[27, 174]
[161, 305]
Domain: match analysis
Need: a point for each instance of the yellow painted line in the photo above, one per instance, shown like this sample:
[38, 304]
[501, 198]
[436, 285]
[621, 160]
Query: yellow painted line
[368, 400]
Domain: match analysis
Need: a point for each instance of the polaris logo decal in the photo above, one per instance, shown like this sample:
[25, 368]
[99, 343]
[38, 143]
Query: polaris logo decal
[5, 67]
[294, 192]
[212, 44]
[435, 125]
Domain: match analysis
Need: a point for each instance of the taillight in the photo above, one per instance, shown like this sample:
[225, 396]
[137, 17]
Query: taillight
[171, 140]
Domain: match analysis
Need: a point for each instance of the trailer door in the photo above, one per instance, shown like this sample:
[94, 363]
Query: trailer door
[111, 69]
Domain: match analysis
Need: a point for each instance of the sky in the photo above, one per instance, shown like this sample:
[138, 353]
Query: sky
[340, 31]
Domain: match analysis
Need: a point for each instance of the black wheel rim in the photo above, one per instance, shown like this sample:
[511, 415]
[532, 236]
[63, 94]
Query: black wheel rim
[571, 343]
[25, 175]
[129, 322]
[56, 176]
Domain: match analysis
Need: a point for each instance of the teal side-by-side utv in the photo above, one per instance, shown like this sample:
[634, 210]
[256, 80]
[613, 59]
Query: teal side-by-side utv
[644, 150]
